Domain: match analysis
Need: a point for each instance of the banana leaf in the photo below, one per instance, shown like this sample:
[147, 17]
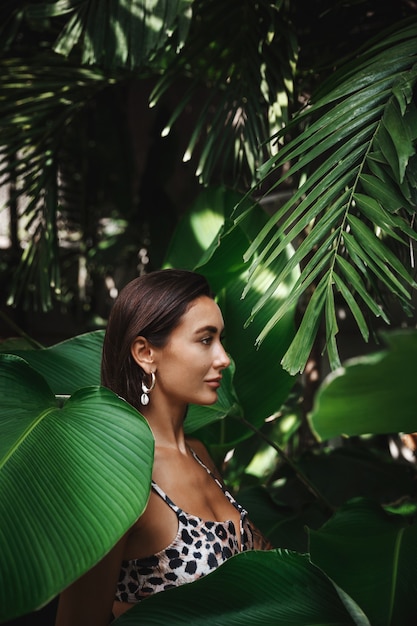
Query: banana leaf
[67, 365]
[370, 394]
[372, 555]
[73, 479]
[274, 588]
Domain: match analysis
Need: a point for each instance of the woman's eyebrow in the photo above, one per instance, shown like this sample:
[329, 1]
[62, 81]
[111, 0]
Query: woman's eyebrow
[208, 328]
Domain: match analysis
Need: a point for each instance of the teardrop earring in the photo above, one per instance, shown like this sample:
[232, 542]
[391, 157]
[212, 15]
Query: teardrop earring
[144, 399]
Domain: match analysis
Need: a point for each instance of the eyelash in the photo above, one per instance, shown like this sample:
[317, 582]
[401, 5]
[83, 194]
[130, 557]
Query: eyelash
[208, 340]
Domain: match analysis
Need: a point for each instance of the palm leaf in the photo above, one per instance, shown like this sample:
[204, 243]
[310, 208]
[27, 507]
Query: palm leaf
[116, 34]
[358, 148]
[41, 104]
[247, 70]
[35, 133]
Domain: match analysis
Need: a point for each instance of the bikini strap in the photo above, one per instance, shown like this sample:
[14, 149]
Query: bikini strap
[227, 493]
[161, 493]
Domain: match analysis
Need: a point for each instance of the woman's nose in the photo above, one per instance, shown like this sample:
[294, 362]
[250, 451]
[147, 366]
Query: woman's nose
[222, 359]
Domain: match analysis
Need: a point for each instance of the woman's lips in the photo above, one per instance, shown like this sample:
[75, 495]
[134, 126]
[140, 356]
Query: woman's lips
[214, 383]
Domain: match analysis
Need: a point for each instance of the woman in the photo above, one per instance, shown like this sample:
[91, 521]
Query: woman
[163, 351]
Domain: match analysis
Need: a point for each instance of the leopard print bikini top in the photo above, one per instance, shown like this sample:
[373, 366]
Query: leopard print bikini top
[198, 548]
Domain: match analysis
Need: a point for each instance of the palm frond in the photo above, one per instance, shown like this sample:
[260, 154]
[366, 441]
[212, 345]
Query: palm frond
[358, 150]
[115, 35]
[242, 54]
[37, 103]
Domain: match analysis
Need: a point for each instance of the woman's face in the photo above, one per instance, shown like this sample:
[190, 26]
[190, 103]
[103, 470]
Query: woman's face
[189, 366]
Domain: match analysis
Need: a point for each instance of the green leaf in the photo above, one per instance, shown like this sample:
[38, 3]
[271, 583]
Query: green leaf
[70, 364]
[303, 252]
[331, 328]
[383, 142]
[199, 227]
[300, 348]
[232, 129]
[388, 222]
[373, 267]
[355, 279]
[382, 256]
[373, 557]
[281, 520]
[121, 35]
[73, 480]
[382, 191]
[311, 196]
[275, 383]
[370, 394]
[50, 93]
[337, 128]
[404, 94]
[274, 588]
[398, 130]
[353, 306]
[306, 278]
[342, 131]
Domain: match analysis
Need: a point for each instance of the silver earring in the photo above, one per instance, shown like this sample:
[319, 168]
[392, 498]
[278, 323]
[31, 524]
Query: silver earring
[144, 399]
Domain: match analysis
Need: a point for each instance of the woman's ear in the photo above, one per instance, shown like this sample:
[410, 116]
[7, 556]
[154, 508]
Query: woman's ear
[142, 352]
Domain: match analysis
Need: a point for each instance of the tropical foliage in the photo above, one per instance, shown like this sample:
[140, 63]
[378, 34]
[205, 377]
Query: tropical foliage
[358, 200]
[269, 106]
[70, 89]
[64, 464]
[63, 482]
[67, 476]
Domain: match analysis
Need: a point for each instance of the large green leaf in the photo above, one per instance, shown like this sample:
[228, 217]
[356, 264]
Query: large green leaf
[373, 557]
[261, 384]
[275, 588]
[72, 481]
[371, 394]
[283, 520]
[67, 365]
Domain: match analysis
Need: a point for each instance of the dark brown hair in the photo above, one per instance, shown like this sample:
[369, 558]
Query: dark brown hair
[150, 306]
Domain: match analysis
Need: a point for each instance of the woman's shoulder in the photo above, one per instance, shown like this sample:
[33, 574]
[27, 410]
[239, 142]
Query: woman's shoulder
[198, 447]
[201, 451]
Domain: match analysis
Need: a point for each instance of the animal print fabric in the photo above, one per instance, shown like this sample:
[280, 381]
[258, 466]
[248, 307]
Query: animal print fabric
[198, 548]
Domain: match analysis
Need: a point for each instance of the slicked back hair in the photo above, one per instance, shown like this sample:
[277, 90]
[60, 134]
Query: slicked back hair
[150, 306]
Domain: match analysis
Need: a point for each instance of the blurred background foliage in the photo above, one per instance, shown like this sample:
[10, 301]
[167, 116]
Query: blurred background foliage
[94, 179]
[269, 145]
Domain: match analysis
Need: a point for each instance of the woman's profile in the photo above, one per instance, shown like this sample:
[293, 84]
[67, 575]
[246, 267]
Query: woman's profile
[163, 351]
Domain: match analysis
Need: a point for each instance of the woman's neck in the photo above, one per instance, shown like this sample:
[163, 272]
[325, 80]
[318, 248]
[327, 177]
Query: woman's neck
[167, 426]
